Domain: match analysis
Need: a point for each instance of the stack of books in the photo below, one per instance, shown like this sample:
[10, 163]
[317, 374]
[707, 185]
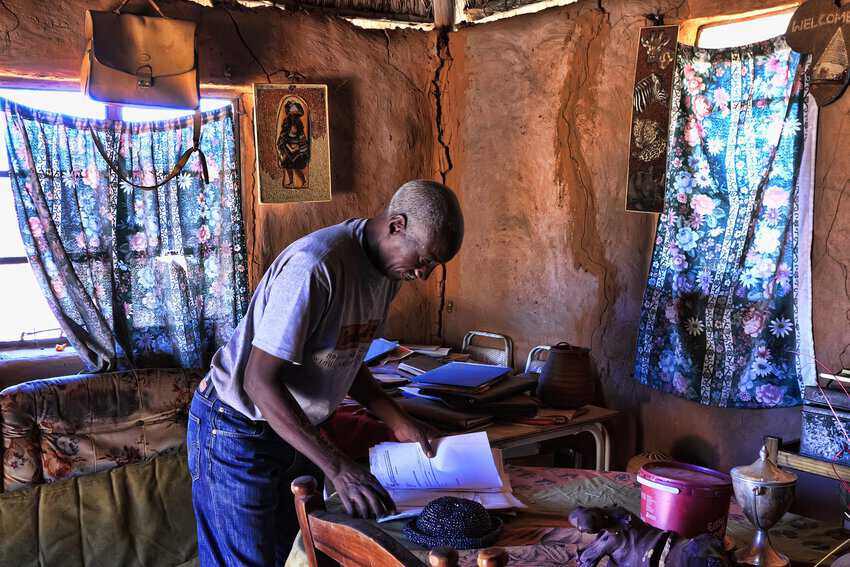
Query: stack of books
[446, 389]
[466, 395]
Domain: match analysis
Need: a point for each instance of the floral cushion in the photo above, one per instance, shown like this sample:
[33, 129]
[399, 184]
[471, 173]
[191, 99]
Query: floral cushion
[64, 427]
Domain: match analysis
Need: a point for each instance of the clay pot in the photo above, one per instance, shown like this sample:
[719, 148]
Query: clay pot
[566, 381]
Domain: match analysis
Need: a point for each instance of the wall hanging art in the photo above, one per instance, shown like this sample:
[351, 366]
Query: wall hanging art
[292, 140]
[654, 68]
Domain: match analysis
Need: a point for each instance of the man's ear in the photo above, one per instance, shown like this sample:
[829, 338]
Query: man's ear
[398, 223]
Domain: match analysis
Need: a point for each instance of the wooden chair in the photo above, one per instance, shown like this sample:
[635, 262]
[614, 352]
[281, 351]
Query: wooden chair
[337, 539]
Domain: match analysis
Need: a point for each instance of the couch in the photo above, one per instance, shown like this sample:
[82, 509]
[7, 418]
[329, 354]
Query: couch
[94, 470]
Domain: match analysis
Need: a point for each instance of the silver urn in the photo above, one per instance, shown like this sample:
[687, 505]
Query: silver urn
[765, 492]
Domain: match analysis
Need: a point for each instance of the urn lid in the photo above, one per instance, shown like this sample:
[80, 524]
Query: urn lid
[764, 472]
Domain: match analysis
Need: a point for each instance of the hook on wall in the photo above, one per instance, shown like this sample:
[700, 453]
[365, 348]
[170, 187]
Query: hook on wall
[658, 19]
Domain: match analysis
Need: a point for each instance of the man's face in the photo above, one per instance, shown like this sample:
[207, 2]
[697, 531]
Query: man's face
[405, 258]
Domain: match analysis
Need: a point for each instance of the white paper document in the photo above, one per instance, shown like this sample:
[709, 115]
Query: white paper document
[429, 350]
[462, 462]
[465, 466]
[409, 503]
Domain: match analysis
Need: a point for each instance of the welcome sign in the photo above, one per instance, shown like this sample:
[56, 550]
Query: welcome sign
[822, 28]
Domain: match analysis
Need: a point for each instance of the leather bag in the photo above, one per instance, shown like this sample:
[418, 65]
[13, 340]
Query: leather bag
[143, 60]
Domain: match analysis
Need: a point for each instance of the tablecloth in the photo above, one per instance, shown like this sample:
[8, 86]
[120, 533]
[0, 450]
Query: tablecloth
[544, 538]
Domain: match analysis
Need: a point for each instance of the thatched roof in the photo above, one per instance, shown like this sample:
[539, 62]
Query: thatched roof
[448, 12]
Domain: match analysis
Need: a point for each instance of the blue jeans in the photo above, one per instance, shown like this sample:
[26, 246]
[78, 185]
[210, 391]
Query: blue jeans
[241, 471]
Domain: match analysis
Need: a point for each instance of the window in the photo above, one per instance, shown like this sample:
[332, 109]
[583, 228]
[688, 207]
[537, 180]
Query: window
[744, 30]
[25, 316]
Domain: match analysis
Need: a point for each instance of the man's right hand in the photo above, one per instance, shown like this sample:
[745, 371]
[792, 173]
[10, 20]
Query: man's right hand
[361, 493]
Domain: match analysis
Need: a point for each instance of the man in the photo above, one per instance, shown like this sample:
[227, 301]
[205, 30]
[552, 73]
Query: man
[295, 355]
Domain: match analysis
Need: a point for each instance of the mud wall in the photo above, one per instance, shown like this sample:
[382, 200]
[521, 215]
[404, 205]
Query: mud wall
[536, 116]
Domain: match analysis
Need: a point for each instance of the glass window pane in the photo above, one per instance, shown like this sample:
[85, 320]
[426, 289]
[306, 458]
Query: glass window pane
[744, 32]
[10, 236]
[73, 103]
[22, 304]
[151, 114]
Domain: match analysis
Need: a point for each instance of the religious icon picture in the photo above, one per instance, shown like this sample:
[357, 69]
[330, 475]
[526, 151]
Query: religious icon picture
[292, 142]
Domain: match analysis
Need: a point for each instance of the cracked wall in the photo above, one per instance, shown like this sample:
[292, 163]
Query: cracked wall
[380, 113]
[536, 112]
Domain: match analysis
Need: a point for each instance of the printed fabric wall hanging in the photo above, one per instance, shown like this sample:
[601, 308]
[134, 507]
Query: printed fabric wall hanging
[293, 143]
[726, 316]
[654, 67]
[822, 28]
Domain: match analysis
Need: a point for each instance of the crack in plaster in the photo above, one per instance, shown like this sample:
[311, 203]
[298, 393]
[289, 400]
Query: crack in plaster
[444, 57]
[407, 79]
[589, 250]
[17, 21]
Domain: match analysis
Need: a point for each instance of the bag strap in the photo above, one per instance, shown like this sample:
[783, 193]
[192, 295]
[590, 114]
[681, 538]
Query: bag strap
[178, 167]
[150, 2]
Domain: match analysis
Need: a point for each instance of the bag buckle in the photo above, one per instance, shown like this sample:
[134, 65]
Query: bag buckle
[144, 76]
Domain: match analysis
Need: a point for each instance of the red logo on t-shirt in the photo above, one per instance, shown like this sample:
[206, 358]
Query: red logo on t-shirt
[352, 336]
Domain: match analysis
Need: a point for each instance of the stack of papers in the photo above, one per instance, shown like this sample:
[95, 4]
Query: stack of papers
[430, 350]
[465, 466]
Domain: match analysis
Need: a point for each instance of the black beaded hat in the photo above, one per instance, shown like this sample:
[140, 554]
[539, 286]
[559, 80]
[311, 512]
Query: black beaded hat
[458, 523]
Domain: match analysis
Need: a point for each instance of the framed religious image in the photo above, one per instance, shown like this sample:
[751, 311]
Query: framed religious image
[292, 143]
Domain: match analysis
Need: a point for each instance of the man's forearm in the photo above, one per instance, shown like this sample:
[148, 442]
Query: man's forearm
[288, 420]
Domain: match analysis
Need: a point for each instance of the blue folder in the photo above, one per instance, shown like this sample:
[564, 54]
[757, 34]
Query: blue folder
[463, 374]
[379, 348]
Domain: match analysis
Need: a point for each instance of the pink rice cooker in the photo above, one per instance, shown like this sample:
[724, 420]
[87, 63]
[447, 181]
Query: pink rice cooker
[683, 498]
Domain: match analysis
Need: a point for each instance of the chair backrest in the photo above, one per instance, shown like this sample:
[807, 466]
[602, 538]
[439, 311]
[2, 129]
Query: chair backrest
[480, 346]
[534, 362]
[337, 539]
[59, 428]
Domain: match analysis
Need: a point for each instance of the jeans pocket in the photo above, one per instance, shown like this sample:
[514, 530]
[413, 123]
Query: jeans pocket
[230, 423]
[193, 430]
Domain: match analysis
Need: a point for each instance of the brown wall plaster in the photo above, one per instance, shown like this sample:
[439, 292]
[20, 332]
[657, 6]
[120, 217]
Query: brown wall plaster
[538, 111]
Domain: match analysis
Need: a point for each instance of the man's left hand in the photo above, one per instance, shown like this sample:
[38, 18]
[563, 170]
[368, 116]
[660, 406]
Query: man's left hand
[411, 430]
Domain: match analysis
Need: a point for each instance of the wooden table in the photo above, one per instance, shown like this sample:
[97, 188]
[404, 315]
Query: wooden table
[515, 439]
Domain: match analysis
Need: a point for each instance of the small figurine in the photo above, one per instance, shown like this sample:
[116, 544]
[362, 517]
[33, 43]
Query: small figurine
[629, 542]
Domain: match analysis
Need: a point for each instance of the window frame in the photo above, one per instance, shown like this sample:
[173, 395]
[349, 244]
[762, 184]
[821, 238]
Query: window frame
[706, 23]
[111, 112]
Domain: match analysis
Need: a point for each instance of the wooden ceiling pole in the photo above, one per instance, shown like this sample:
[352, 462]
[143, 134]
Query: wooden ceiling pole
[445, 13]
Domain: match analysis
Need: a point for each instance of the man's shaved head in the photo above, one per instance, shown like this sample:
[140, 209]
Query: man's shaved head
[433, 215]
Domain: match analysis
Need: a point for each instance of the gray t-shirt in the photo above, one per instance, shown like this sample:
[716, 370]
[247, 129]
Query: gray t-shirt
[319, 305]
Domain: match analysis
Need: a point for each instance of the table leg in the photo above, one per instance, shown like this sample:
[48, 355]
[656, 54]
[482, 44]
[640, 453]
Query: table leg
[607, 443]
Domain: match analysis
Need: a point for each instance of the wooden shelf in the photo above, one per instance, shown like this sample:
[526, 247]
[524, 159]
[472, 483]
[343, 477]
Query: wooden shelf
[813, 466]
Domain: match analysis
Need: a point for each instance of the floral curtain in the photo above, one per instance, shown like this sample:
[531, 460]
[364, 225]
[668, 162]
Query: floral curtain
[135, 277]
[726, 318]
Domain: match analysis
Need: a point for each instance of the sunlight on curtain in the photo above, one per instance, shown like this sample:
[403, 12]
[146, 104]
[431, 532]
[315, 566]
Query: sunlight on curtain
[135, 277]
[726, 318]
